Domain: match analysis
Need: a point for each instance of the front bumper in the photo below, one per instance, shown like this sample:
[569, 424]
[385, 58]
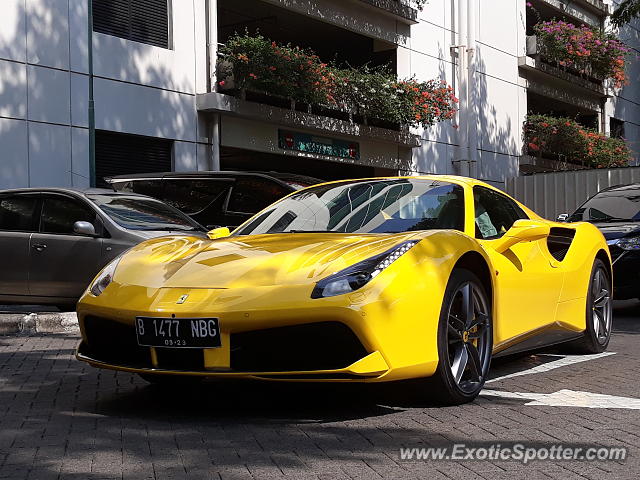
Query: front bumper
[336, 339]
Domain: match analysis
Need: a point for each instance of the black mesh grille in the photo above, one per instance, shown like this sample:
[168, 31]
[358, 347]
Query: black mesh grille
[144, 21]
[191, 359]
[313, 346]
[120, 154]
[113, 342]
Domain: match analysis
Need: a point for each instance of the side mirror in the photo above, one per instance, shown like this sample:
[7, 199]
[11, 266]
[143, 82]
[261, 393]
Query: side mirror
[522, 231]
[563, 217]
[84, 228]
[219, 232]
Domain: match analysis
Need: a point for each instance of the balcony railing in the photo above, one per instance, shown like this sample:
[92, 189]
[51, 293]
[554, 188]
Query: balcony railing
[400, 9]
[590, 12]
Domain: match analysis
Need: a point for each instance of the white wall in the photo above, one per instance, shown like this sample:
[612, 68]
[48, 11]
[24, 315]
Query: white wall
[139, 89]
[500, 108]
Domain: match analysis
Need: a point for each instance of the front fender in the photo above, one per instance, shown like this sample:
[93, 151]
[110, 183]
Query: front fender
[401, 308]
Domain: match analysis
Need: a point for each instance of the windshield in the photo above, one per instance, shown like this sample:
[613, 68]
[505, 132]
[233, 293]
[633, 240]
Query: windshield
[368, 206]
[610, 206]
[143, 213]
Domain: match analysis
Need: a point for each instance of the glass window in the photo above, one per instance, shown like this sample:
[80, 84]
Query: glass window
[152, 188]
[140, 213]
[494, 213]
[371, 206]
[60, 213]
[623, 203]
[17, 212]
[194, 196]
[250, 195]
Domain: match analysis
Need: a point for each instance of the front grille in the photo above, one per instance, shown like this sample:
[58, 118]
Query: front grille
[114, 342]
[312, 346]
[191, 359]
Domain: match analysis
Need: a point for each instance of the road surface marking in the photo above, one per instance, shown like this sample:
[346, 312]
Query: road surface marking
[563, 362]
[569, 398]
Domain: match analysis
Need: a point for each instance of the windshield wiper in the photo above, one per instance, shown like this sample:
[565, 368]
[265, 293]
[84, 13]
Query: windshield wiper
[171, 229]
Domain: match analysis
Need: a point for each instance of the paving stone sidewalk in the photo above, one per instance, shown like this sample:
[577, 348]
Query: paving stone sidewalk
[61, 419]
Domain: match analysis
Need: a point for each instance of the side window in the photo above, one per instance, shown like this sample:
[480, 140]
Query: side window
[250, 195]
[17, 213]
[193, 196]
[60, 213]
[152, 188]
[494, 213]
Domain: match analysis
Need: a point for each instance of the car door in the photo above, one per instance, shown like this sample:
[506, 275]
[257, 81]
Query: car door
[528, 282]
[18, 221]
[63, 262]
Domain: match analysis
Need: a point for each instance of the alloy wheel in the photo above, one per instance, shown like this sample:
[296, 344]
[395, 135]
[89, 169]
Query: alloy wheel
[601, 306]
[469, 337]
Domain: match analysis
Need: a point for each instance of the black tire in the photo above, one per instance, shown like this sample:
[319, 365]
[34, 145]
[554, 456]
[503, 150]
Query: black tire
[598, 312]
[468, 340]
[171, 380]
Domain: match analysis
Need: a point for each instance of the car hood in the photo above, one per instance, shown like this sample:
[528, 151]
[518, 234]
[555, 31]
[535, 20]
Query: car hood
[243, 261]
[614, 230]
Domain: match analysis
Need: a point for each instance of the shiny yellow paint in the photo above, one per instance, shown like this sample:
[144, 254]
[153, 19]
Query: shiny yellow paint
[265, 281]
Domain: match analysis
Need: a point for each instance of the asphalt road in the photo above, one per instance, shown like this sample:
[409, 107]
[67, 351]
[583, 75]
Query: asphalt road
[60, 419]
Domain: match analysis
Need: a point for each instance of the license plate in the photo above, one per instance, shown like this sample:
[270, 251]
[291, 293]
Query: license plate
[178, 332]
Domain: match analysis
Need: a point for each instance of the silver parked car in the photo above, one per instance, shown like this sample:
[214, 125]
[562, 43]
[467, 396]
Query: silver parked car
[55, 240]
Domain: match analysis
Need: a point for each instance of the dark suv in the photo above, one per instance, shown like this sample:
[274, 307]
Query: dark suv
[214, 198]
[616, 212]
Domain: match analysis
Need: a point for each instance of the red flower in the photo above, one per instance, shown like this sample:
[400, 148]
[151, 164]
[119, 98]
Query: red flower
[253, 75]
[222, 83]
[534, 147]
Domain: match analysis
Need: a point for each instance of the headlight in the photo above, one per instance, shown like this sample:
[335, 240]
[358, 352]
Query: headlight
[629, 243]
[104, 278]
[358, 275]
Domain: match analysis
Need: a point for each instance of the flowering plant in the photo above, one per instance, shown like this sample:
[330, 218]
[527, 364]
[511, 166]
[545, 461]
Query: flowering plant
[419, 4]
[425, 103]
[255, 63]
[569, 141]
[587, 50]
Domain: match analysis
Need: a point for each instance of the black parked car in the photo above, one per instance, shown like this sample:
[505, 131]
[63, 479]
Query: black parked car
[214, 199]
[616, 212]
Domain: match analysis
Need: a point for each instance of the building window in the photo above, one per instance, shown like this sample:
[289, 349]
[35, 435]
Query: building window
[122, 154]
[616, 127]
[144, 21]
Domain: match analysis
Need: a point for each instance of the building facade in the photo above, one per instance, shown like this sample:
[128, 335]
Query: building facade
[158, 106]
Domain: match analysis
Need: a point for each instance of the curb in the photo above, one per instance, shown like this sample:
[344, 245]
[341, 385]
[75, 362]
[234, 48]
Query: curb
[37, 323]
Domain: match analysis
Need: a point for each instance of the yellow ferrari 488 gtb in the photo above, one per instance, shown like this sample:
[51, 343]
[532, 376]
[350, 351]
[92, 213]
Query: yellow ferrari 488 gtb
[371, 280]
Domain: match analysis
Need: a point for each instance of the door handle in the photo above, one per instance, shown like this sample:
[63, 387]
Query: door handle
[39, 246]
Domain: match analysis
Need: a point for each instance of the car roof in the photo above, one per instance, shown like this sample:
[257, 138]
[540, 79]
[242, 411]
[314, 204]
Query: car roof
[85, 192]
[277, 176]
[621, 187]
